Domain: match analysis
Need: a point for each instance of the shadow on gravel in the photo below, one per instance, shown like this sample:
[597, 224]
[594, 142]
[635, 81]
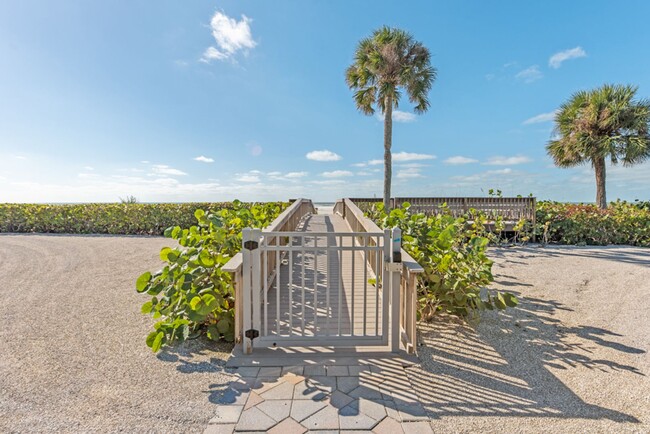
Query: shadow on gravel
[197, 356]
[639, 256]
[501, 368]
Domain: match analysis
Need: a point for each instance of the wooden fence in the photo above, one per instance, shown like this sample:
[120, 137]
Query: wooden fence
[512, 209]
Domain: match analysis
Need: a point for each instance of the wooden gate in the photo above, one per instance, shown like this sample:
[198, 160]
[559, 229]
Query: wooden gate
[319, 289]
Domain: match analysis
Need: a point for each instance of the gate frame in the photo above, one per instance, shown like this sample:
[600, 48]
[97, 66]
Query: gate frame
[391, 267]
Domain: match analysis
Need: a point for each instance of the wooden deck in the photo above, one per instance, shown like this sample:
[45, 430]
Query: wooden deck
[322, 293]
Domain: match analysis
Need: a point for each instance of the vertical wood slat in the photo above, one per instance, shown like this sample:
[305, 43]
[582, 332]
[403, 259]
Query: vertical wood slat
[256, 278]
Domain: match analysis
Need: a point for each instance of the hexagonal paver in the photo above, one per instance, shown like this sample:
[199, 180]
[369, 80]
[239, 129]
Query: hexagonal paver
[417, 427]
[220, 429]
[302, 409]
[281, 391]
[351, 418]
[347, 384]
[288, 426]
[327, 418]
[388, 426]
[278, 409]
[227, 414]
[255, 419]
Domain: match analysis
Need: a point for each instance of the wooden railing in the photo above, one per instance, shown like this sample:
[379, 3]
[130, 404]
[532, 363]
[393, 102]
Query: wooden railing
[511, 209]
[358, 222]
[287, 221]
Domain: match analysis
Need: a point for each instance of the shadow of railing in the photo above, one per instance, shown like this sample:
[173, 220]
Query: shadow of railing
[502, 368]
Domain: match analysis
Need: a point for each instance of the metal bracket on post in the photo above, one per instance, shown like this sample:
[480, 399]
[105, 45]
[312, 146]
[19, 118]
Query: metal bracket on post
[251, 245]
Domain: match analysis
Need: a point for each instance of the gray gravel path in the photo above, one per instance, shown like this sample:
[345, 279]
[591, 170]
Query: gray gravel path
[572, 358]
[72, 351]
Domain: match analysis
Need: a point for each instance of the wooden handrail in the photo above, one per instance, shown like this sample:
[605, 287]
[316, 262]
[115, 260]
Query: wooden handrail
[409, 280]
[511, 208]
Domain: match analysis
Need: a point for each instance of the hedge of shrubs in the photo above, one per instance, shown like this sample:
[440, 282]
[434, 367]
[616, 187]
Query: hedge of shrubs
[102, 218]
[621, 223]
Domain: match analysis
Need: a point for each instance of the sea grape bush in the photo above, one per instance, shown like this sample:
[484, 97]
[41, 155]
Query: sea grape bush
[191, 294]
[452, 252]
[101, 218]
[621, 223]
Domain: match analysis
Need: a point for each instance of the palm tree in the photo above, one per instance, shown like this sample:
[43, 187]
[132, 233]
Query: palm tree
[384, 64]
[598, 124]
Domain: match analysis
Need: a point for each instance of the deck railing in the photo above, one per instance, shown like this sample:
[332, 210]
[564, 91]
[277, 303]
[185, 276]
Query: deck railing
[287, 221]
[358, 222]
[510, 208]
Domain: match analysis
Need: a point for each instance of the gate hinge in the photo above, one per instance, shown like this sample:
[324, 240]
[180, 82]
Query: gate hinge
[252, 334]
[251, 245]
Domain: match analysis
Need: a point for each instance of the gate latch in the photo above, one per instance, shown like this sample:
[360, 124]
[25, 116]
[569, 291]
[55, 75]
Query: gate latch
[252, 334]
[251, 245]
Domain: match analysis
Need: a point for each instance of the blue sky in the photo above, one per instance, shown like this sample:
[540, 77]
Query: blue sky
[100, 100]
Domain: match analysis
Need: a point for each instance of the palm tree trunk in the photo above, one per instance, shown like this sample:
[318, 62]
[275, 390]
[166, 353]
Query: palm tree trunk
[388, 142]
[599, 168]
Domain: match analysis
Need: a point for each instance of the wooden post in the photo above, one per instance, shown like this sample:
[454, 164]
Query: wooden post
[395, 268]
[247, 344]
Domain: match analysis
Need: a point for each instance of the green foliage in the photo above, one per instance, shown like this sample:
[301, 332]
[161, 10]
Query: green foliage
[621, 223]
[387, 64]
[453, 255]
[101, 218]
[192, 294]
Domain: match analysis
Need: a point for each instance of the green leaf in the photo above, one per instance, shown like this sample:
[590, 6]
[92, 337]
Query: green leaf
[157, 342]
[150, 338]
[143, 281]
[146, 308]
[510, 300]
[206, 259]
[199, 213]
[164, 252]
[224, 325]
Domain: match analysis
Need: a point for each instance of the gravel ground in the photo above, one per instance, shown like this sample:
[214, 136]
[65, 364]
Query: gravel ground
[72, 350]
[573, 357]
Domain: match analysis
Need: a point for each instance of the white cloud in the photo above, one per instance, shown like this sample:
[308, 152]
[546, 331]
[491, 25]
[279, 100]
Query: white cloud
[20, 157]
[555, 61]
[359, 164]
[89, 168]
[323, 155]
[543, 117]
[399, 116]
[274, 173]
[375, 162]
[337, 174]
[203, 159]
[410, 156]
[507, 161]
[329, 182]
[230, 36]
[144, 162]
[409, 172]
[530, 74]
[457, 160]
[162, 169]
[505, 171]
[295, 175]
[248, 178]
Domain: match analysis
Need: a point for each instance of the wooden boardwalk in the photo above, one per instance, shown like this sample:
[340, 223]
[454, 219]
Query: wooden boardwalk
[323, 292]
